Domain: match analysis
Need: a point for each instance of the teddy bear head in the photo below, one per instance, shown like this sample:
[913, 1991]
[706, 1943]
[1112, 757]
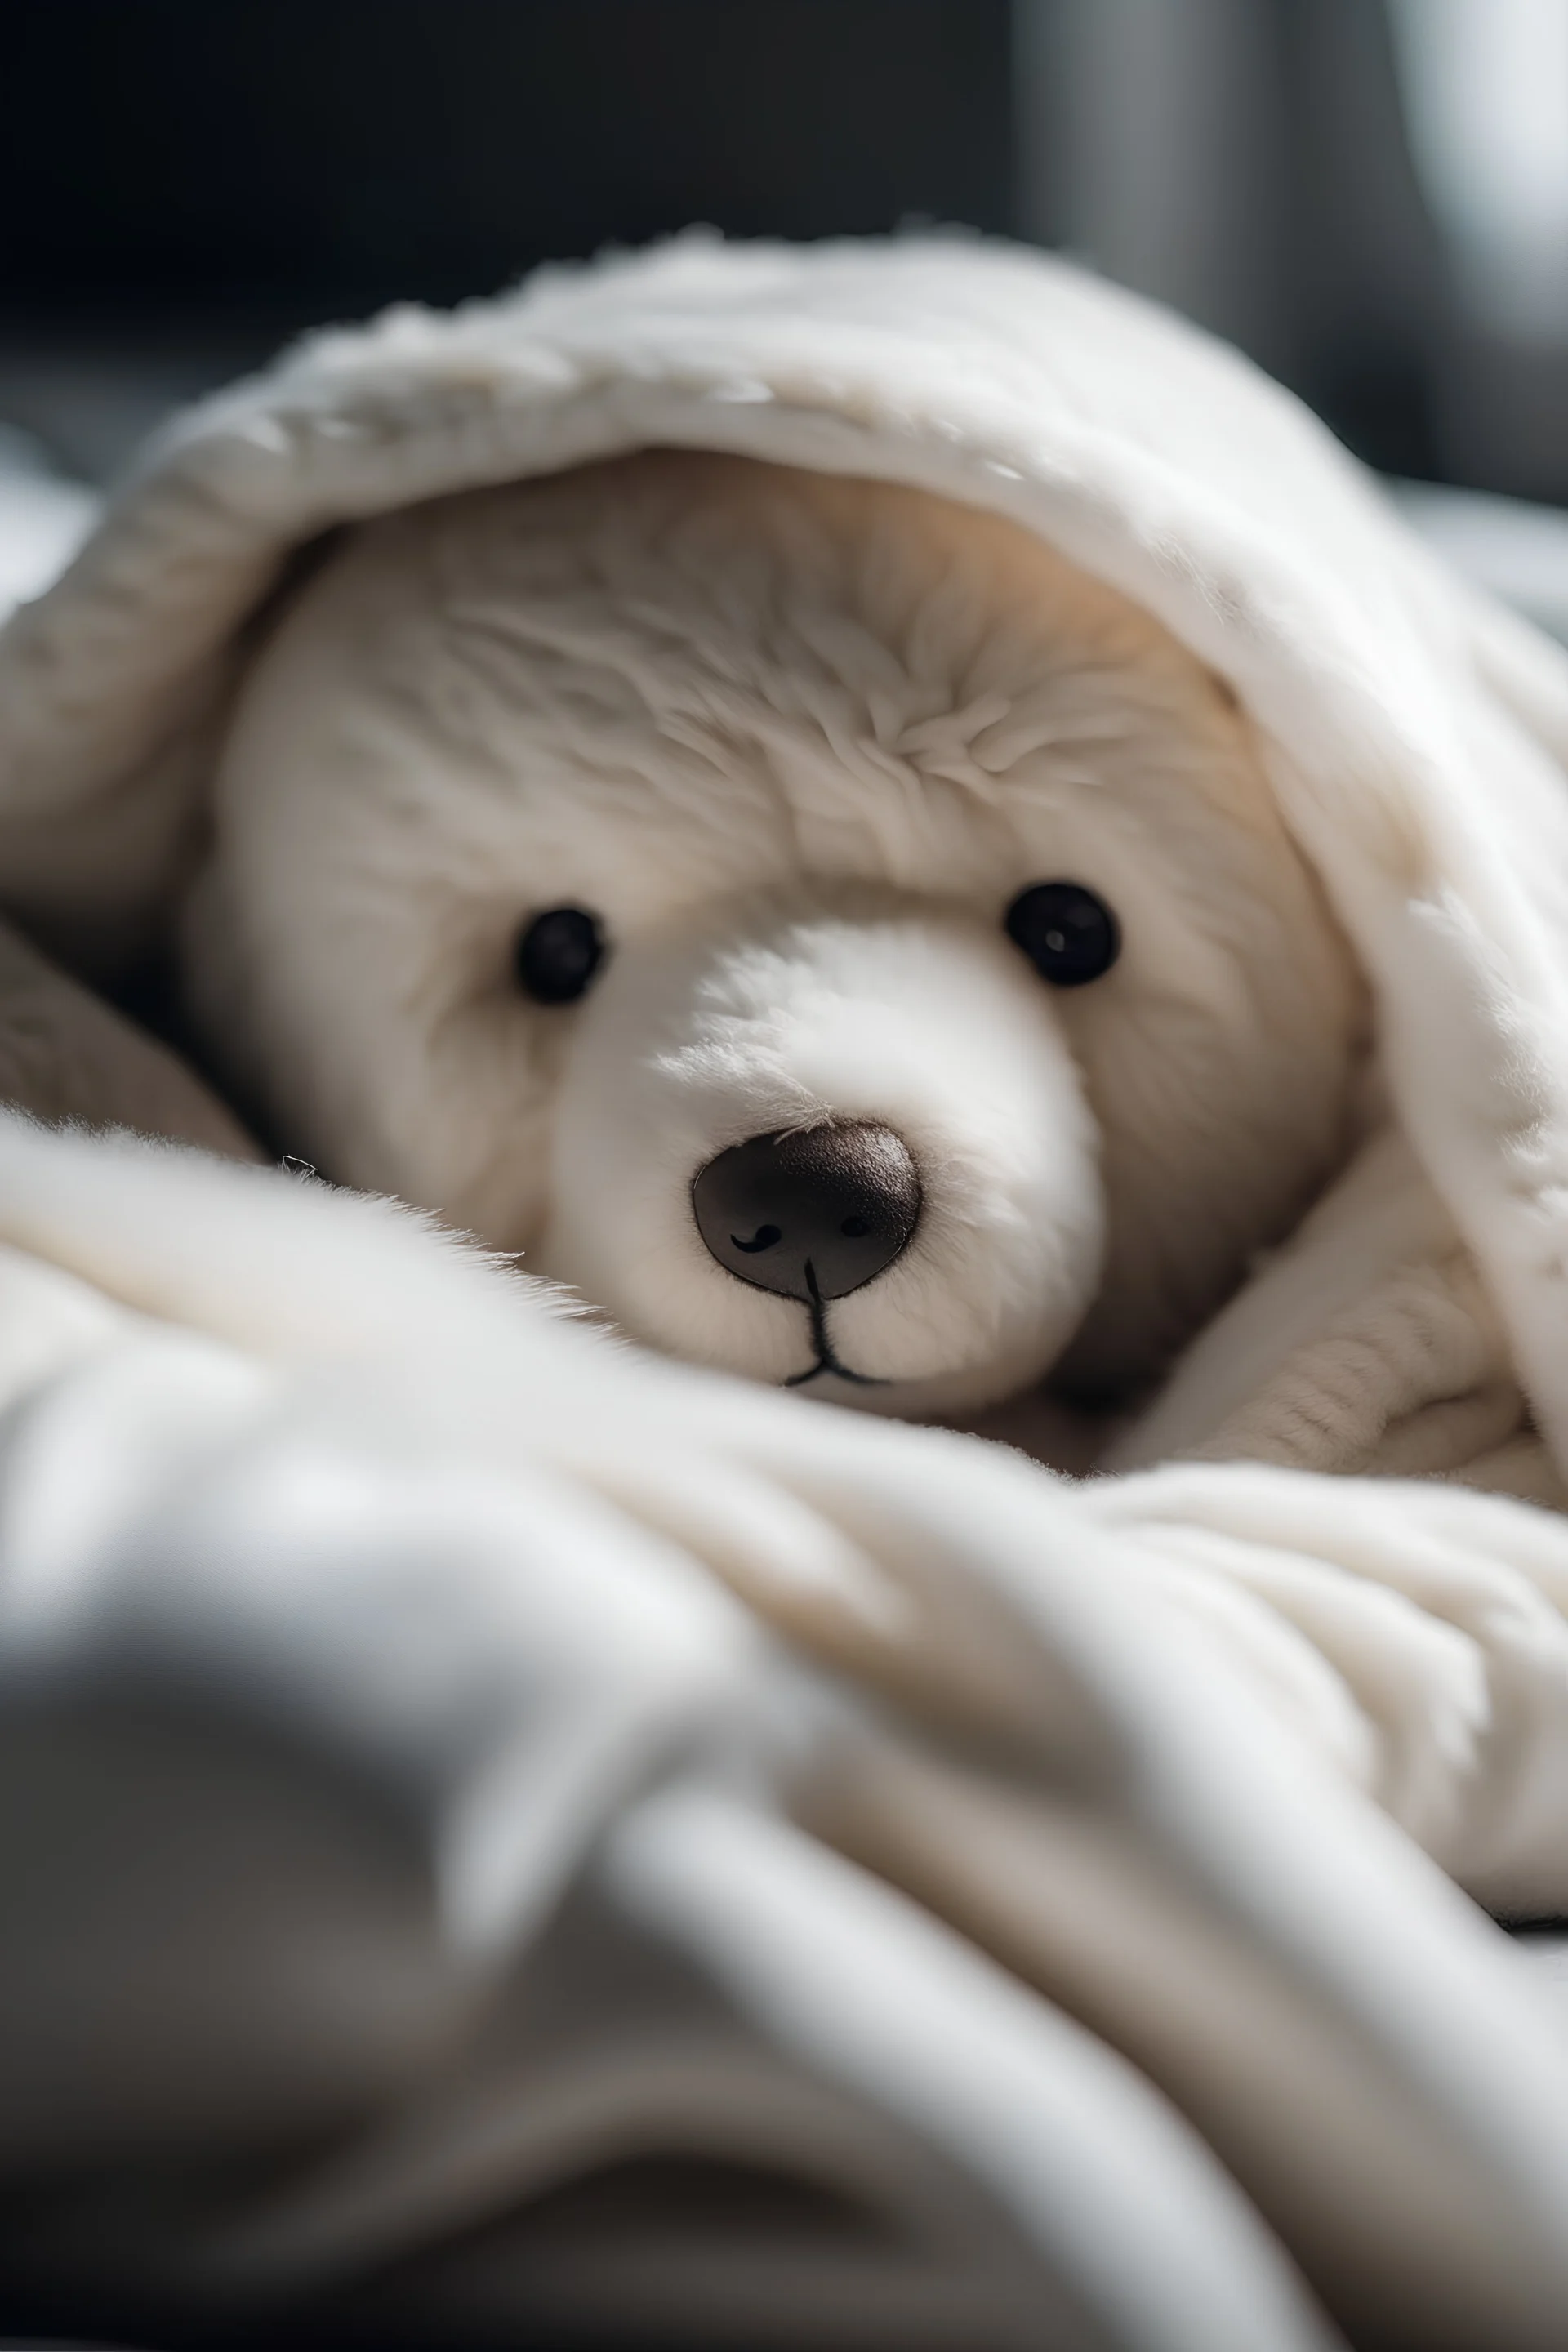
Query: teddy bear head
[811, 919]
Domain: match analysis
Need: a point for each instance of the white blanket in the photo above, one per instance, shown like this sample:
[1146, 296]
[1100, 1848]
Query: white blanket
[506, 1840]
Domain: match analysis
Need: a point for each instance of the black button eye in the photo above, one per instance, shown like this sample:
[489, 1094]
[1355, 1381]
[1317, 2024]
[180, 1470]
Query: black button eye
[1068, 935]
[558, 954]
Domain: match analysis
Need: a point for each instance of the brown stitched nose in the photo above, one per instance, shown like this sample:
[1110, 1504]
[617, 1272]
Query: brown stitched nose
[817, 1212]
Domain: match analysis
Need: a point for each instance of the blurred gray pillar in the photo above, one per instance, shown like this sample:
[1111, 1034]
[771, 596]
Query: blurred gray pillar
[1245, 161]
[1486, 85]
[1147, 135]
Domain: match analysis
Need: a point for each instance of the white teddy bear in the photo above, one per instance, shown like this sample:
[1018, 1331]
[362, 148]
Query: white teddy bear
[682, 835]
[902, 827]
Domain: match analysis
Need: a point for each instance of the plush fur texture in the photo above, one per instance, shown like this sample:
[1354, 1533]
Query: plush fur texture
[798, 742]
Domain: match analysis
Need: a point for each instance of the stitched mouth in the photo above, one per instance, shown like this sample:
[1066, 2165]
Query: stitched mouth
[826, 1361]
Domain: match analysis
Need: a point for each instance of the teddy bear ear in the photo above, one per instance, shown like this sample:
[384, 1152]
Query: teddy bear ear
[1414, 739]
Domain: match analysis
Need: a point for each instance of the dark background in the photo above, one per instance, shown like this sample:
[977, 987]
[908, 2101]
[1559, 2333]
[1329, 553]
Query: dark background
[184, 182]
[290, 153]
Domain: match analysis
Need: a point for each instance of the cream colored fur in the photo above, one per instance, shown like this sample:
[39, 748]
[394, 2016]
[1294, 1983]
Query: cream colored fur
[798, 742]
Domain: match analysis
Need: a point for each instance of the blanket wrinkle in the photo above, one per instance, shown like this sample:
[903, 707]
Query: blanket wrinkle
[1455, 1609]
[982, 1519]
[1411, 1381]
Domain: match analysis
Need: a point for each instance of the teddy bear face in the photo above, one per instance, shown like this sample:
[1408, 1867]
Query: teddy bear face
[811, 919]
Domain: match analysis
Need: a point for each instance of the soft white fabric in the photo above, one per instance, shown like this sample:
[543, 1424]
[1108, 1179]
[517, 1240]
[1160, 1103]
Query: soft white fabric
[376, 1683]
[523, 1755]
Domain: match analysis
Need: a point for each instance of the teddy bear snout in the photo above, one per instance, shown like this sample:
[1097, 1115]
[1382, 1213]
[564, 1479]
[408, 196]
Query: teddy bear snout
[865, 1162]
[811, 1213]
